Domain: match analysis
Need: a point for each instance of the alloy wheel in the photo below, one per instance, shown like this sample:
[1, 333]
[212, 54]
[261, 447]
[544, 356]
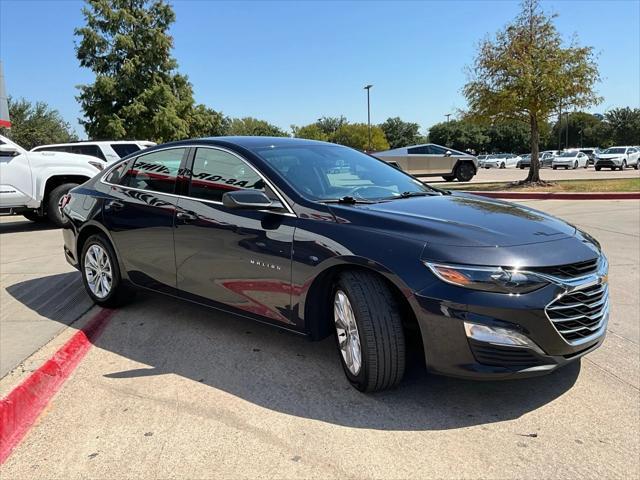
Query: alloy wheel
[97, 271]
[347, 330]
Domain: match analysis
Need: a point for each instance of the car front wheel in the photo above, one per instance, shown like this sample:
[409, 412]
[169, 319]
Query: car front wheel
[369, 331]
[101, 273]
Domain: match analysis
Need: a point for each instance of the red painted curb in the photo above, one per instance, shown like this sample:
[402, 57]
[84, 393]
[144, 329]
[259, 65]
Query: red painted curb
[560, 195]
[20, 409]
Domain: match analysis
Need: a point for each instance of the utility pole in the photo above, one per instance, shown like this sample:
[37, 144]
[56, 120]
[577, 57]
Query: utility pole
[447, 115]
[367, 88]
[560, 127]
[566, 135]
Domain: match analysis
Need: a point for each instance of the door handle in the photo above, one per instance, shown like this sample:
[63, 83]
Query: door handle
[186, 217]
[116, 205]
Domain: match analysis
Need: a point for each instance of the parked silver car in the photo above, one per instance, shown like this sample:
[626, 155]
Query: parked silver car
[430, 160]
[570, 159]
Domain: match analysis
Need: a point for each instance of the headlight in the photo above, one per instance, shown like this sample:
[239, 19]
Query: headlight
[488, 279]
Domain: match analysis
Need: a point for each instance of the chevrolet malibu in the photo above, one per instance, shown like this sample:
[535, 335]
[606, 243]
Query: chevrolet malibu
[323, 240]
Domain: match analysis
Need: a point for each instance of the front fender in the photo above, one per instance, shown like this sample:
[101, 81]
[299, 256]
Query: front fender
[316, 261]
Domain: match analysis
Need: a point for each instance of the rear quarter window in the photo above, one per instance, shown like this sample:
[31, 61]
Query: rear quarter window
[124, 149]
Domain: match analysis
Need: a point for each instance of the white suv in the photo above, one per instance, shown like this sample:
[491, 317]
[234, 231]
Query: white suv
[33, 183]
[107, 151]
[618, 157]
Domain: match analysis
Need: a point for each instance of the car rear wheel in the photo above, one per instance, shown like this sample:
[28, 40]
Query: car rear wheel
[465, 171]
[503, 165]
[448, 178]
[555, 168]
[101, 273]
[369, 331]
[598, 169]
[636, 165]
[53, 204]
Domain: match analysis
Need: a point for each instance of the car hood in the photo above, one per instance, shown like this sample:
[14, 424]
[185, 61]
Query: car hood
[610, 155]
[460, 220]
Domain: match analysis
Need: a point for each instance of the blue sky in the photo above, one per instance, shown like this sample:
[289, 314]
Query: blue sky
[293, 62]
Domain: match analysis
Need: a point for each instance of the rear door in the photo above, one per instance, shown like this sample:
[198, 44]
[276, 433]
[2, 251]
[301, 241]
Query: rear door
[229, 257]
[140, 216]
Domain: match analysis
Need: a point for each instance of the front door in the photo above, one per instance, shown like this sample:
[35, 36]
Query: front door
[139, 213]
[227, 257]
[16, 184]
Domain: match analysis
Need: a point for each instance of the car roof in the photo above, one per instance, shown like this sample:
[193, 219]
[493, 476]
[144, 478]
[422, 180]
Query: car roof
[251, 142]
[96, 142]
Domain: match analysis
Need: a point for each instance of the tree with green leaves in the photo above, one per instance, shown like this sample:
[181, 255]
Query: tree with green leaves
[460, 135]
[526, 74]
[252, 126]
[400, 133]
[625, 125]
[137, 92]
[312, 132]
[356, 135]
[34, 124]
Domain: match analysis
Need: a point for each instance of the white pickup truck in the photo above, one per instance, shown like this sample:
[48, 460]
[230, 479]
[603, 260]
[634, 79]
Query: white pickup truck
[33, 183]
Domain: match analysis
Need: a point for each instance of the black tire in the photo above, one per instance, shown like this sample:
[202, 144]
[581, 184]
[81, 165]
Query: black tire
[382, 341]
[503, 165]
[597, 169]
[624, 165]
[34, 216]
[575, 164]
[53, 211]
[119, 293]
[448, 178]
[636, 165]
[555, 168]
[521, 167]
[465, 171]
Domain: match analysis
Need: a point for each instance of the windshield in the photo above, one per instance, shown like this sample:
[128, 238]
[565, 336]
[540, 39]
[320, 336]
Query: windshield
[568, 154]
[615, 150]
[328, 172]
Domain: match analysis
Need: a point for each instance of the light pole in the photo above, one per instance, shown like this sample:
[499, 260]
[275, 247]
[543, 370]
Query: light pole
[367, 88]
[447, 115]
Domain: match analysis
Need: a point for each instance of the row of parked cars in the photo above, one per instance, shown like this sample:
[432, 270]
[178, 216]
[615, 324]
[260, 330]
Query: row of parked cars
[614, 158]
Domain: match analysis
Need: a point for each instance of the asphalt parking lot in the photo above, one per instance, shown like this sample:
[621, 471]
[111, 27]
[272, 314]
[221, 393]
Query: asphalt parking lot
[513, 174]
[174, 390]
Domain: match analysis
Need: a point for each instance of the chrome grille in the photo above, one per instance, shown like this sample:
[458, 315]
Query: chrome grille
[571, 270]
[580, 313]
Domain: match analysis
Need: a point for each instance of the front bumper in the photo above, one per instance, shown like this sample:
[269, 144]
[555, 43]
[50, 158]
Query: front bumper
[443, 310]
[608, 162]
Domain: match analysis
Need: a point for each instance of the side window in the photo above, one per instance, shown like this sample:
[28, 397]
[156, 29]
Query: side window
[435, 150]
[155, 171]
[91, 150]
[423, 150]
[216, 172]
[117, 173]
[124, 149]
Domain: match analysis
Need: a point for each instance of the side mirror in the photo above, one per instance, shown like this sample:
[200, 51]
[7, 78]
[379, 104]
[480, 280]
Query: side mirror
[249, 200]
[8, 151]
[448, 153]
